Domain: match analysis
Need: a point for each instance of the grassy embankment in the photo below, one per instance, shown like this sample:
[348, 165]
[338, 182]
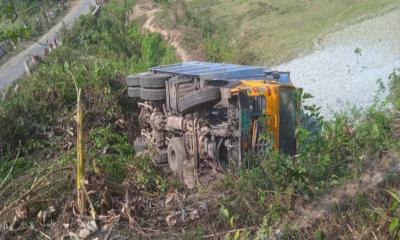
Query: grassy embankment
[259, 31]
[37, 127]
[36, 121]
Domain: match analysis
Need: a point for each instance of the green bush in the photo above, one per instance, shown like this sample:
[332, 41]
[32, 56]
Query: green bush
[111, 150]
[144, 175]
[333, 150]
[217, 49]
[340, 149]
[394, 89]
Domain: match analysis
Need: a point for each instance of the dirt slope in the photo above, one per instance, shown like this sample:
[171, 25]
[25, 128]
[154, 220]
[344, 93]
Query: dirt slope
[148, 10]
[370, 179]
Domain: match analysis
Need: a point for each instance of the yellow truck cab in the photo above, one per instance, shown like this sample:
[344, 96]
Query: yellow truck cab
[277, 103]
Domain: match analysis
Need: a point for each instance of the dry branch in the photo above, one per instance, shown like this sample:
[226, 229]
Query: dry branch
[33, 188]
[11, 169]
[227, 232]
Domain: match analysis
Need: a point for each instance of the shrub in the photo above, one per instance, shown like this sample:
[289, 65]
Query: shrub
[394, 89]
[112, 150]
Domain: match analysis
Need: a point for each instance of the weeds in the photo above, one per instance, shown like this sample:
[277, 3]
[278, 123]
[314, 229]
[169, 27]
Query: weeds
[112, 151]
[394, 227]
[203, 31]
[394, 89]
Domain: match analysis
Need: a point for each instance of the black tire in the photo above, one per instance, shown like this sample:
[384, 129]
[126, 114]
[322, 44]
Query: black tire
[199, 98]
[183, 86]
[176, 157]
[134, 92]
[133, 80]
[152, 94]
[154, 81]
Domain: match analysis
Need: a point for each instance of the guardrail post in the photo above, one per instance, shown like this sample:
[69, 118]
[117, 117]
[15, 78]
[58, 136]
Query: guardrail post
[27, 69]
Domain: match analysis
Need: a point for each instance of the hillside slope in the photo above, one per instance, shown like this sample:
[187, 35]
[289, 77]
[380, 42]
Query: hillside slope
[338, 183]
[273, 31]
[149, 10]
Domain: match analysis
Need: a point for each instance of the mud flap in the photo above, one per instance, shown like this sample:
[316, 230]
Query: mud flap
[244, 125]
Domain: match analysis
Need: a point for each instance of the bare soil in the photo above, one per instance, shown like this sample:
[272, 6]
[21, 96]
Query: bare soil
[149, 9]
[370, 179]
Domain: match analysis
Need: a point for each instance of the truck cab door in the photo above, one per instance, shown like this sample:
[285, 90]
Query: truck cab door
[244, 125]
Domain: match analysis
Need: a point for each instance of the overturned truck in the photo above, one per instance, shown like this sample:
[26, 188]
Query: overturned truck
[197, 114]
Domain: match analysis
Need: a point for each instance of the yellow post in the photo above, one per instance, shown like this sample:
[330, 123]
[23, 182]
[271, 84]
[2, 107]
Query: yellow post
[80, 151]
[80, 155]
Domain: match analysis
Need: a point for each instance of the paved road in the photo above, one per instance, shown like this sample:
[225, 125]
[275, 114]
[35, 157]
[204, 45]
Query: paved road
[14, 68]
[336, 75]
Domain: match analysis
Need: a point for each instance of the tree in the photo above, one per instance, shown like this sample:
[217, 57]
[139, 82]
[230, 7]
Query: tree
[11, 29]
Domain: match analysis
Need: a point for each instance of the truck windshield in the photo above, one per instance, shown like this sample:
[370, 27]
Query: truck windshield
[257, 106]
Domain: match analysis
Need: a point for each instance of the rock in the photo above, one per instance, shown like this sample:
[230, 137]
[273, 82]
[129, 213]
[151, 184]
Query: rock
[84, 233]
[92, 226]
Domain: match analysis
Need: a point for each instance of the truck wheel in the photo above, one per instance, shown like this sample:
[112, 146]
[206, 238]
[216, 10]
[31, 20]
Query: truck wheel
[152, 94]
[134, 92]
[133, 80]
[176, 156]
[199, 98]
[154, 81]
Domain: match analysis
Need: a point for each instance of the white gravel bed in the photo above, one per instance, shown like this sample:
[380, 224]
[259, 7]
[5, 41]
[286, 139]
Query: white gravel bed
[337, 76]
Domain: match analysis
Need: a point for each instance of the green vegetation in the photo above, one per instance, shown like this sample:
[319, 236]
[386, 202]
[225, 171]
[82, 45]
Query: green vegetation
[37, 125]
[270, 31]
[342, 148]
[37, 118]
[18, 18]
[394, 89]
[24, 21]
[97, 52]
